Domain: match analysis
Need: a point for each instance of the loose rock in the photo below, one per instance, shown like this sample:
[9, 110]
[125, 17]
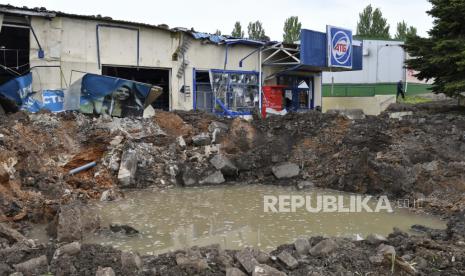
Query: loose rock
[286, 170]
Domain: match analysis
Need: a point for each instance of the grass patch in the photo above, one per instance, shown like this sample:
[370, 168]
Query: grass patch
[413, 100]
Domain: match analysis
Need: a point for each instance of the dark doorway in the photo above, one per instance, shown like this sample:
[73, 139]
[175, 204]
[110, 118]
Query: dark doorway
[203, 91]
[158, 77]
[14, 52]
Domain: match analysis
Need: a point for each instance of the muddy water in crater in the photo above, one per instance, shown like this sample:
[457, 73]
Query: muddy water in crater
[234, 217]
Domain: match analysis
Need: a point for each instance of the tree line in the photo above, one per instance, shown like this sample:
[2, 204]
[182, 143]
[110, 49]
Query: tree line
[439, 57]
[371, 25]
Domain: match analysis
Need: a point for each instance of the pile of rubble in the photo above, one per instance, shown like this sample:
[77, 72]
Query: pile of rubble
[410, 152]
[439, 252]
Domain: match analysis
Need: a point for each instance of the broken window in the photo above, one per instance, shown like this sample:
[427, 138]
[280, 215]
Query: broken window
[235, 90]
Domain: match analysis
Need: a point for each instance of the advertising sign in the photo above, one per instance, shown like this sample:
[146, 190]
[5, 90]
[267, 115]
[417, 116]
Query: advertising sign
[340, 50]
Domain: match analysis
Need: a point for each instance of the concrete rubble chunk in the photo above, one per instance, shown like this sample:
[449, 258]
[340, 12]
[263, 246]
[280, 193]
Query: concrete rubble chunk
[181, 142]
[11, 234]
[105, 271]
[35, 266]
[305, 185]
[189, 178]
[217, 125]
[108, 195]
[285, 170]
[302, 246]
[75, 219]
[131, 262]
[261, 256]
[246, 259]
[386, 250]
[375, 239]
[16, 274]
[69, 249]
[288, 259]
[234, 271]
[201, 139]
[400, 114]
[212, 179]
[323, 247]
[127, 169]
[222, 163]
[192, 259]
[352, 114]
[266, 270]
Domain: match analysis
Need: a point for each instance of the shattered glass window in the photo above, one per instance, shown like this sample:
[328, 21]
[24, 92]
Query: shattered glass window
[237, 90]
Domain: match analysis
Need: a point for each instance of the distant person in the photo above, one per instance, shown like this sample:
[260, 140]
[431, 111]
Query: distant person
[400, 90]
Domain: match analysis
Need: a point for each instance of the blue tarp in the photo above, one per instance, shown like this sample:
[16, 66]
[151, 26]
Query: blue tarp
[218, 39]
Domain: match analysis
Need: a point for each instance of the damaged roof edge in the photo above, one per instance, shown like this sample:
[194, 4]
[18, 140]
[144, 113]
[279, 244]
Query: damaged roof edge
[43, 12]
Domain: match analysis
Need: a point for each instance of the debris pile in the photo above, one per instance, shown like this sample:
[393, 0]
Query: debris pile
[417, 154]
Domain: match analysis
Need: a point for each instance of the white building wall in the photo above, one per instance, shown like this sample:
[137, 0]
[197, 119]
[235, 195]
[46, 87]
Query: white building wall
[383, 62]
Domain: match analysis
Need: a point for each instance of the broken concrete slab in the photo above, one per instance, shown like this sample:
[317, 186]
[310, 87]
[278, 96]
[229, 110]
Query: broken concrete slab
[375, 239]
[352, 114]
[234, 271]
[288, 260]
[74, 220]
[266, 270]
[192, 259]
[246, 259]
[69, 249]
[127, 169]
[201, 139]
[131, 263]
[324, 247]
[10, 234]
[400, 114]
[217, 125]
[222, 163]
[302, 246]
[212, 179]
[285, 170]
[35, 266]
[105, 271]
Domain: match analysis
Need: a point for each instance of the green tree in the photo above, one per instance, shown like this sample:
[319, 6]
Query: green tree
[403, 31]
[237, 31]
[217, 32]
[292, 28]
[441, 57]
[256, 31]
[372, 24]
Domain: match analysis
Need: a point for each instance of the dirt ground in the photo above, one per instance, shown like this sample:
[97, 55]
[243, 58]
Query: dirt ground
[418, 154]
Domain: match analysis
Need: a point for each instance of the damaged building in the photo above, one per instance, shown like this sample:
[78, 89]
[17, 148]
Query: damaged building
[193, 70]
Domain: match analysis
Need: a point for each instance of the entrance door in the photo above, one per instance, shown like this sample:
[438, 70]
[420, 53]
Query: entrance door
[299, 94]
[158, 77]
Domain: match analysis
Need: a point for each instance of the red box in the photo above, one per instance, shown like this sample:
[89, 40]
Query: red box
[272, 97]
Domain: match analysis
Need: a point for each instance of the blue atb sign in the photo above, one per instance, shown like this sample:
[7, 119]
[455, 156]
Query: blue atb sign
[339, 47]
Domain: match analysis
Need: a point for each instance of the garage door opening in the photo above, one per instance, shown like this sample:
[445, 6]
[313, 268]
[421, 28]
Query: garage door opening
[158, 77]
[14, 52]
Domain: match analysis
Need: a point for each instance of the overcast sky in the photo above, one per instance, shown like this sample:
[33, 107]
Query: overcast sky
[209, 15]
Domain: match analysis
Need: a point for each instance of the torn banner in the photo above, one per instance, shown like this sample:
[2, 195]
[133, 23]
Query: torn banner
[92, 93]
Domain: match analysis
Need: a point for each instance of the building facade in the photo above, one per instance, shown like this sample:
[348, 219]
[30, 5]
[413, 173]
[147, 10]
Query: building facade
[195, 70]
